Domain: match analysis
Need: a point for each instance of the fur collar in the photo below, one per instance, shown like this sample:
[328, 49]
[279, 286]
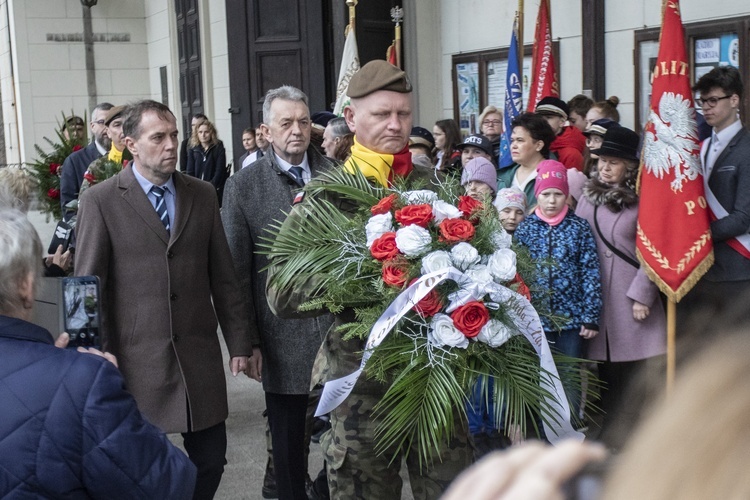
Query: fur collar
[616, 198]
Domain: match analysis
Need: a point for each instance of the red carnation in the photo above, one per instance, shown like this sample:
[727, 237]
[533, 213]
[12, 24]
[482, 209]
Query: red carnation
[89, 177]
[77, 147]
[384, 205]
[394, 273]
[469, 205]
[53, 168]
[455, 230]
[522, 288]
[421, 215]
[385, 248]
[53, 193]
[470, 318]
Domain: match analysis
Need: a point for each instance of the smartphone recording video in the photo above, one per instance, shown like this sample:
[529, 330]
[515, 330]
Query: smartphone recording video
[82, 311]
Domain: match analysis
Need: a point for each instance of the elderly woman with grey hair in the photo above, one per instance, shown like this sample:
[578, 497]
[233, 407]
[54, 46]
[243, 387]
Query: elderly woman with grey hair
[78, 403]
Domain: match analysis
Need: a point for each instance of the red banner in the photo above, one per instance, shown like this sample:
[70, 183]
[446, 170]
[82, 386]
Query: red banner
[674, 240]
[543, 68]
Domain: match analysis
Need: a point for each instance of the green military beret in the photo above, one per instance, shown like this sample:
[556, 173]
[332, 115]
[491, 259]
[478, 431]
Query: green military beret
[113, 113]
[378, 75]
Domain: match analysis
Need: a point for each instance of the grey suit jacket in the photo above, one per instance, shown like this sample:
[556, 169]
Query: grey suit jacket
[162, 294]
[253, 199]
[730, 183]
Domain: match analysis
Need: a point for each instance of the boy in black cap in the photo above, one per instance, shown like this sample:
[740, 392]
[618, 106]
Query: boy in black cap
[569, 143]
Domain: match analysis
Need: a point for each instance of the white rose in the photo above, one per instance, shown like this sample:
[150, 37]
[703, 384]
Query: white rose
[413, 240]
[434, 261]
[419, 196]
[442, 210]
[443, 332]
[377, 226]
[494, 333]
[479, 274]
[501, 239]
[464, 256]
[502, 265]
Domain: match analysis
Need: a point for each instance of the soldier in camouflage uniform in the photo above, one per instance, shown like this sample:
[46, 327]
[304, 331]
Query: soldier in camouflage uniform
[380, 114]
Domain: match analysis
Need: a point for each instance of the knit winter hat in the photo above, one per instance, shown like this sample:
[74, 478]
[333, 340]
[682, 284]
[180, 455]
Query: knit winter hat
[480, 169]
[510, 197]
[551, 174]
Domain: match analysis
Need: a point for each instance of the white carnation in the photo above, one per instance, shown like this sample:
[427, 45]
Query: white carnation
[479, 274]
[464, 256]
[377, 226]
[442, 210]
[434, 261]
[413, 240]
[494, 333]
[502, 265]
[444, 333]
[419, 196]
[501, 239]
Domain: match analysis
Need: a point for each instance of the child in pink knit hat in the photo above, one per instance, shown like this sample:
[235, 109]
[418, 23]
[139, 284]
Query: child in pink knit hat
[511, 205]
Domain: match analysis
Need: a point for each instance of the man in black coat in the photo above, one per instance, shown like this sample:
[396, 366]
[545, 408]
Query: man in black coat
[76, 164]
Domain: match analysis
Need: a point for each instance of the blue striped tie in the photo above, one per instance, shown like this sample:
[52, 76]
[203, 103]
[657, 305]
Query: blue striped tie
[161, 205]
[297, 171]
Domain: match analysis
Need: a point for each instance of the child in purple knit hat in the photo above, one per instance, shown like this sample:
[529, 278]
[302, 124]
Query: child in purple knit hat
[479, 178]
[511, 205]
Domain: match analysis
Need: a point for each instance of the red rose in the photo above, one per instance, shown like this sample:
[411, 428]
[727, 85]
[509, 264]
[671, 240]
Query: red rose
[469, 205]
[455, 230]
[384, 206]
[394, 273]
[421, 215]
[470, 318]
[89, 177]
[53, 168]
[385, 248]
[430, 305]
[53, 193]
[77, 147]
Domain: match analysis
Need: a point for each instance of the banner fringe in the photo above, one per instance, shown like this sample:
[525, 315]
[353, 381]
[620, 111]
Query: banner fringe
[687, 284]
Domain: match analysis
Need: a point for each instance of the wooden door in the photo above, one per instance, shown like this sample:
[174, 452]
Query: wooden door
[189, 47]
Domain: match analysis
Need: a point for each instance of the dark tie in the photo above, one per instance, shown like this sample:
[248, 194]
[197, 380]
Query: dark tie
[161, 205]
[296, 171]
[260, 154]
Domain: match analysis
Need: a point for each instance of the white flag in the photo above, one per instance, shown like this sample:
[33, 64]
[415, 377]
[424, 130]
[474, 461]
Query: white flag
[349, 66]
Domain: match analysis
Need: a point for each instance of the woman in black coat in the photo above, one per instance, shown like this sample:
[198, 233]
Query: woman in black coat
[207, 159]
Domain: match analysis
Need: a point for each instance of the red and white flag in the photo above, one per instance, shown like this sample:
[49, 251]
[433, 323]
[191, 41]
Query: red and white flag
[674, 238]
[543, 68]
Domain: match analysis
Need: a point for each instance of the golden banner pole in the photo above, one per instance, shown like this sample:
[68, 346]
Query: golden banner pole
[519, 14]
[397, 15]
[352, 15]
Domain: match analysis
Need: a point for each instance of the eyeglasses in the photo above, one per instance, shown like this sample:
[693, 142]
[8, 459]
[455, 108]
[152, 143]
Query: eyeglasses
[492, 122]
[710, 101]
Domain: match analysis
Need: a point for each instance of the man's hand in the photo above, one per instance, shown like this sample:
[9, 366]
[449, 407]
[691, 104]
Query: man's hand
[238, 364]
[255, 365]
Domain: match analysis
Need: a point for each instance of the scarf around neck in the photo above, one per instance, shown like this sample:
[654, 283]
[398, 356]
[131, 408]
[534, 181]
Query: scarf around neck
[114, 155]
[552, 221]
[376, 166]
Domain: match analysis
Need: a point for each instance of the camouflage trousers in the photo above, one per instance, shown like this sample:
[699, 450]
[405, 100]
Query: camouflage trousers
[356, 471]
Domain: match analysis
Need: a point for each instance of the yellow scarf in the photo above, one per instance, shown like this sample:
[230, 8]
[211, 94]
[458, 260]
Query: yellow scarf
[378, 167]
[114, 155]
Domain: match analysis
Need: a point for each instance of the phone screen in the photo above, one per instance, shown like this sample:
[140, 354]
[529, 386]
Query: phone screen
[82, 311]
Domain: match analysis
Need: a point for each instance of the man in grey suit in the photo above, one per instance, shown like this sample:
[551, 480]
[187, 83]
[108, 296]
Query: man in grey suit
[155, 240]
[253, 199]
[725, 158]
